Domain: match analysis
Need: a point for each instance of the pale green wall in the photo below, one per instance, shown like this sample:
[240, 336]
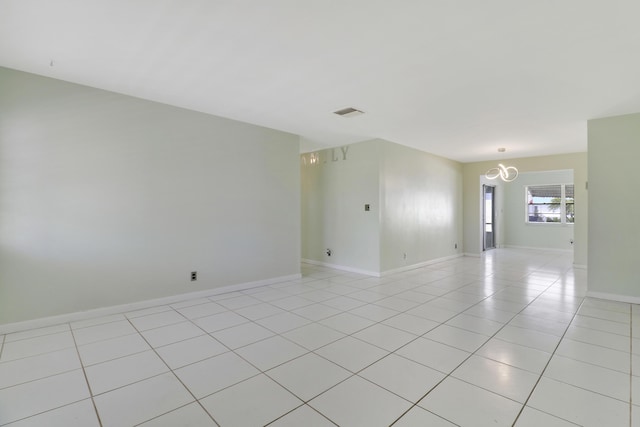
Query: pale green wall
[421, 199]
[107, 199]
[614, 229]
[334, 192]
[415, 199]
[519, 233]
[473, 173]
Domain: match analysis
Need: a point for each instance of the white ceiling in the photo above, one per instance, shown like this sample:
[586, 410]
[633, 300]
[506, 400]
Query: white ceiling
[457, 78]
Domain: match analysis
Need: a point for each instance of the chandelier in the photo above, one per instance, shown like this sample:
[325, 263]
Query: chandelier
[506, 173]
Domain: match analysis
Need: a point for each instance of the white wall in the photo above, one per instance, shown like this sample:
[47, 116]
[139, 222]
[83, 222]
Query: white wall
[107, 199]
[415, 200]
[421, 199]
[472, 193]
[335, 189]
[614, 228]
[519, 233]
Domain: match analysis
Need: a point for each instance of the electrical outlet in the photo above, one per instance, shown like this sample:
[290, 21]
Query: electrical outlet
[455, 246]
[404, 255]
[328, 252]
[194, 276]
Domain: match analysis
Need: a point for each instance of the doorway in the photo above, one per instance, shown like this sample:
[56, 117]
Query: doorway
[489, 217]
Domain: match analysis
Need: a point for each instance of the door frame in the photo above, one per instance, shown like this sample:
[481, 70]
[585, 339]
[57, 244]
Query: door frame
[484, 216]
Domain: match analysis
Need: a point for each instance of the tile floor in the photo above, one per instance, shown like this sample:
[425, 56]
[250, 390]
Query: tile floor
[506, 339]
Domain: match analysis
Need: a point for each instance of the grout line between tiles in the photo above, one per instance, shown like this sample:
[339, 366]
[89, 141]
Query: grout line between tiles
[420, 336]
[474, 352]
[298, 407]
[11, 423]
[36, 354]
[91, 365]
[545, 368]
[173, 373]
[168, 412]
[342, 311]
[40, 378]
[36, 336]
[84, 372]
[281, 334]
[97, 324]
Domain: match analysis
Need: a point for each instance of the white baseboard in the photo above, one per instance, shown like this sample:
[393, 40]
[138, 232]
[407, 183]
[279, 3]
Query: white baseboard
[568, 251]
[383, 273]
[419, 265]
[139, 305]
[580, 266]
[469, 254]
[614, 297]
[341, 267]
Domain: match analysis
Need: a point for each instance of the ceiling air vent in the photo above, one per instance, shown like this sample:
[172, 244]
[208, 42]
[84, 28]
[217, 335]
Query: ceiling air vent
[348, 112]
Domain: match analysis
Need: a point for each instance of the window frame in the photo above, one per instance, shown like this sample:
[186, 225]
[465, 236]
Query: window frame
[563, 205]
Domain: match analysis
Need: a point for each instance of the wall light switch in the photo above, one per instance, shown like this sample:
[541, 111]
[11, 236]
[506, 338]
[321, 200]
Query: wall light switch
[367, 207]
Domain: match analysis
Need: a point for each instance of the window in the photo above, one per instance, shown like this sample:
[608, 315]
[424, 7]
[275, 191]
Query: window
[550, 203]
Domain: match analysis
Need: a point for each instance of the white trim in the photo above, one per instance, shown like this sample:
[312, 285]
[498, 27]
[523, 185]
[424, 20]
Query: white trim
[580, 266]
[341, 267]
[383, 273]
[418, 265]
[139, 305]
[568, 251]
[563, 204]
[472, 255]
[614, 297]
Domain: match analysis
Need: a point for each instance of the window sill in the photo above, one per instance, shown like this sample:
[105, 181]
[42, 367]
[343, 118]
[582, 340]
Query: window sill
[551, 224]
